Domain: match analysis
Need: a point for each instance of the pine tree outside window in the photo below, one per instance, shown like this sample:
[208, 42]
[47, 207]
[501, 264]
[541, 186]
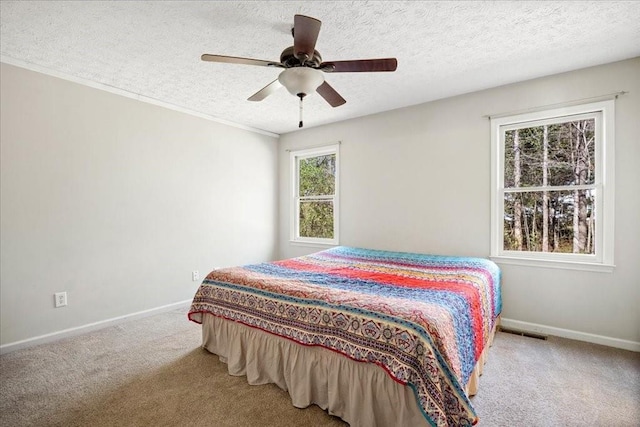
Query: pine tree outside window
[552, 187]
[314, 210]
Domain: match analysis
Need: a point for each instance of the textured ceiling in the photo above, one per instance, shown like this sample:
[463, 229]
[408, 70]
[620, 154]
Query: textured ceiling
[152, 49]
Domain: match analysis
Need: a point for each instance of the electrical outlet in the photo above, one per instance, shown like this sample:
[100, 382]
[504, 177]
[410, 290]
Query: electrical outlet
[60, 299]
[195, 275]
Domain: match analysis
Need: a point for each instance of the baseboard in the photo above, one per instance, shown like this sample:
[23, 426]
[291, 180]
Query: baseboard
[574, 335]
[79, 330]
[507, 323]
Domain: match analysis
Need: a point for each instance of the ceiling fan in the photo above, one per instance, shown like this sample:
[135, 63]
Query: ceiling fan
[303, 66]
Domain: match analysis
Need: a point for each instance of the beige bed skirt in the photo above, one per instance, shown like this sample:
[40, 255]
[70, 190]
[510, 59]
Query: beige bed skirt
[362, 394]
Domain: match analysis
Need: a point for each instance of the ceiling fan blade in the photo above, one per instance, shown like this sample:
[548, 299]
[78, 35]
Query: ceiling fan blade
[330, 95]
[305, 35]
[266, 91]
[360, 65]
[238, 60]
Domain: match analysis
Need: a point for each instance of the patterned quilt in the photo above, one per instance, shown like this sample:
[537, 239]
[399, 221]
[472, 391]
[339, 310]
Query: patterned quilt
[425, 319]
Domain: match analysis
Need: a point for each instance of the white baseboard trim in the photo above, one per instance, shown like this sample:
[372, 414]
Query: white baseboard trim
[79, 330]
[567, 333]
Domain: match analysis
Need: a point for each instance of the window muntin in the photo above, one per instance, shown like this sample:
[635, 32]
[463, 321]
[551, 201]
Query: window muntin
[550, 170]
[314, 198]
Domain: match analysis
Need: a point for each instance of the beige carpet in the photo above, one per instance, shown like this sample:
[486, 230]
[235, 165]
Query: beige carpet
[153, 372]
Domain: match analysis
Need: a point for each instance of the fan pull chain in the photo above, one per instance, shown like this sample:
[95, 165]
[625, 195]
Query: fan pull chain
[301, 95]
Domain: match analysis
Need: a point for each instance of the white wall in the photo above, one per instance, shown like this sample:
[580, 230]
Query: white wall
[116, 201]
[418, 179]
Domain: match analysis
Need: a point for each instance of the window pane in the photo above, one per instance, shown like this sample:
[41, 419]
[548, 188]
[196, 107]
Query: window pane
[318, 175]
[550, 155]
[570, 221]
[316, 219]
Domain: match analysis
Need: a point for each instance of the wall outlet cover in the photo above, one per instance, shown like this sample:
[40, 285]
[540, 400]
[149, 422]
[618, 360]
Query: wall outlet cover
[60, 299]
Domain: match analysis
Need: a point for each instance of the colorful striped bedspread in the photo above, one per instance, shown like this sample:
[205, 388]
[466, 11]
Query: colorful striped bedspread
[425, 319]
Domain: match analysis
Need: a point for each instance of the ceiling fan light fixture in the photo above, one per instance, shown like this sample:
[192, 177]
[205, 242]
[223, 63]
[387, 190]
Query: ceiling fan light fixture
[301, 80]
[304, 69]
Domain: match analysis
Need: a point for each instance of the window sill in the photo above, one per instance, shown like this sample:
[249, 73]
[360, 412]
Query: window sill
[312, 244]
[561, 264]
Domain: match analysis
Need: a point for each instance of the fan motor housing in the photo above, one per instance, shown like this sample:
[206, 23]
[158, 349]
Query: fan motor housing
[289, 59]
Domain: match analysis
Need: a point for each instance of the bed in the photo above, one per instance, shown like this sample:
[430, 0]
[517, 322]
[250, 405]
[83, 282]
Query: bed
[374, 337]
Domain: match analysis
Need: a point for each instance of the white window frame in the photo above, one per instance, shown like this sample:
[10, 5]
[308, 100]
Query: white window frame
[602, 260]
[295, 157]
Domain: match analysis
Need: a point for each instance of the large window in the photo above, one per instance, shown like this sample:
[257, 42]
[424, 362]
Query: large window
[314, 210]
[552, 190]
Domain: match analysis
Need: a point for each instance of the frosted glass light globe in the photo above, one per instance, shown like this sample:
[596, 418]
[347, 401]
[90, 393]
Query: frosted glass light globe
[301, 80]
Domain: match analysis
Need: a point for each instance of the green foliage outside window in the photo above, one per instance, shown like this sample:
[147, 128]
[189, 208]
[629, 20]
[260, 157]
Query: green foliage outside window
[548, 218]
[316, 219]
[316, 190]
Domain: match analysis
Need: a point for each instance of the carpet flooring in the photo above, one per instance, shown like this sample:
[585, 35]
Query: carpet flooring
[153, 372]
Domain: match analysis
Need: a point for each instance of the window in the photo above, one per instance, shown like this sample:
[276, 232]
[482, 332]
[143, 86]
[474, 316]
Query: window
[314, 210]
[552, 187]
